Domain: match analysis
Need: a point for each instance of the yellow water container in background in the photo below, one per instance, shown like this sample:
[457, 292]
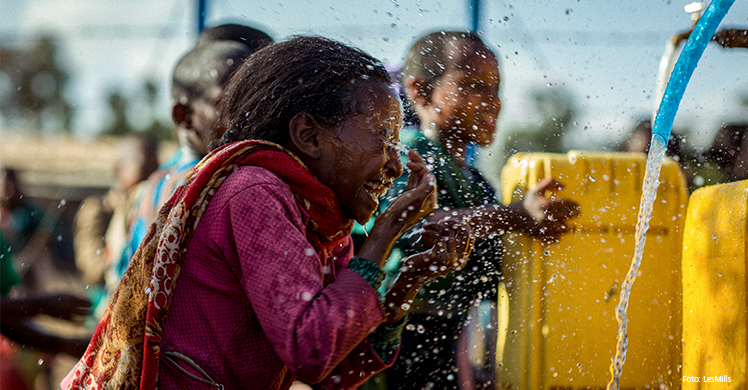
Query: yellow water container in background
[714, 288]
[561, 331]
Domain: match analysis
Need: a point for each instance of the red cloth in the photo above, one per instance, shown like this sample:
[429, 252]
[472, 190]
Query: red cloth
[11, 376]
[126, 347]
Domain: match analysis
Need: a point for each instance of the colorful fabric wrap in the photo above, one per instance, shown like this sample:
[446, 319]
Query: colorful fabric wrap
[125, 349]
[373, 273]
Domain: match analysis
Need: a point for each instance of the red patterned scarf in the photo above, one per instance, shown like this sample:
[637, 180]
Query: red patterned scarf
[124, 351]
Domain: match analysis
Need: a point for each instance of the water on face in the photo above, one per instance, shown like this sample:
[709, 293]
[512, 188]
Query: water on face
[649, 193]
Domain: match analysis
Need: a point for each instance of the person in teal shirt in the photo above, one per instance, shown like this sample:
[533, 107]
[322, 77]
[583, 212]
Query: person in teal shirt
[8, 275]
[451, 81]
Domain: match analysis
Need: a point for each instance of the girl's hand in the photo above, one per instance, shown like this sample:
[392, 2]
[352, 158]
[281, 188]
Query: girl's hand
[452, 243]
[546, 217]
[420, 198]
[405, 211]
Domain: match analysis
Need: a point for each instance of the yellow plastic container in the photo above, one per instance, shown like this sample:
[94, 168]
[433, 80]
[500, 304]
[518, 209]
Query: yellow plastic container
[561, 331]
[714, 288]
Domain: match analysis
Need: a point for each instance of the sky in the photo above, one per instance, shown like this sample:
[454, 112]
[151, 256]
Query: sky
[604, 53]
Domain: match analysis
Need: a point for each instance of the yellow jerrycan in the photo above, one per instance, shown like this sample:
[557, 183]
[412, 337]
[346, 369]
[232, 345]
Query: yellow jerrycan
[561, 328]
[714, 288]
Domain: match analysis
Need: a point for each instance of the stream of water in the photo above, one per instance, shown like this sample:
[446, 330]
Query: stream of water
[649, 193]
[684, 67]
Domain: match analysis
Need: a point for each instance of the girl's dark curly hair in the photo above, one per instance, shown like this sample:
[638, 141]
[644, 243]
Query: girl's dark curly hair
[314, 75]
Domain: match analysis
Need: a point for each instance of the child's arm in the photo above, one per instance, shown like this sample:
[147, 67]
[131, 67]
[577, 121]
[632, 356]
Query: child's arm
[535, 214]
[64, 306]
[452, 248]
[28, 334]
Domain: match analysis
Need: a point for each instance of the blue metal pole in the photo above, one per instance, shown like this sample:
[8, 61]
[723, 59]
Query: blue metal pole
[475, 6]
[201, 8]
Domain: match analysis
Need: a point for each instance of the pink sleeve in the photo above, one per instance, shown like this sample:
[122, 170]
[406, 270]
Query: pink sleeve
[312, 327]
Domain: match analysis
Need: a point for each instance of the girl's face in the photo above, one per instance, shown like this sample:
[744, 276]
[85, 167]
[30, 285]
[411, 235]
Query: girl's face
[359, 156]
[464, 102]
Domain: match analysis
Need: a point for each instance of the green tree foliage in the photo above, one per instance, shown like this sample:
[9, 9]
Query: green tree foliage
[158, 128]
[145, 104]
[119, 124]
[33, 83]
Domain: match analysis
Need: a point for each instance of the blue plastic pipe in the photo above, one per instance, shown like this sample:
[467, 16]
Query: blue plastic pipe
[687, 61]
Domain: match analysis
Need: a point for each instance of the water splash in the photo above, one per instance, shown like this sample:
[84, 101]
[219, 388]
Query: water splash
[649, 193]
[689, 58]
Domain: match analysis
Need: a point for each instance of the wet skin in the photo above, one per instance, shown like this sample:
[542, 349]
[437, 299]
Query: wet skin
[464, 103]
[359, 157]
[462, 106]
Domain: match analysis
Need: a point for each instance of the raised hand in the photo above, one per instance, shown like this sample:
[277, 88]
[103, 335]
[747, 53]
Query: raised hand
[405, 211]
[420, 198]
[453, 242]
[546, 216]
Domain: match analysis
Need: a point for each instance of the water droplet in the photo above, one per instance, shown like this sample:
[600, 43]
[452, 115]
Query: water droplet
[420, 328]
[405, 306]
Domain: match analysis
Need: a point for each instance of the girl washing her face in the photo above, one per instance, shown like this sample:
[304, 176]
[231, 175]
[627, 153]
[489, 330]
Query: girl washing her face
[252, 258]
